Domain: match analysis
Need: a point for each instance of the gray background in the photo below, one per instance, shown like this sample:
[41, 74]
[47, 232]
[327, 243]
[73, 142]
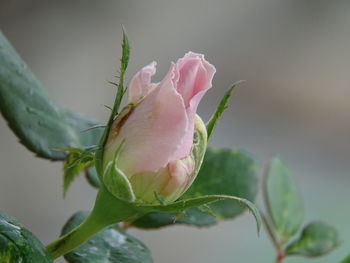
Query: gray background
[295, 56]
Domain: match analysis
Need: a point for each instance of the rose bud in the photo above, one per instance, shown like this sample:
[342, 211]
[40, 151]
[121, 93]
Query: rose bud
[156, 145]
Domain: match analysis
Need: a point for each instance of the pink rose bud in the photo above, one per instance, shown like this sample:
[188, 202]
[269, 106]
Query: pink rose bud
[157, 143]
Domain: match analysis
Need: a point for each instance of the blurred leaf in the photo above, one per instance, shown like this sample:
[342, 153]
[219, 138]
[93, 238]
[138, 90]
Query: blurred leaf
[346, 260]
[40, 124]
[282, 200]
[317, 239]
[110, 245]
[75, 163]
[92, 177]
[192, 216]
[17, 244]
[211, 124]
[223, 171]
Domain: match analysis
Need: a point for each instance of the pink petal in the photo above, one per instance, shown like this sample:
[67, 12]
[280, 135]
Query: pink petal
[140, 85]
[180, 174]
[192, 79]
[154, 130]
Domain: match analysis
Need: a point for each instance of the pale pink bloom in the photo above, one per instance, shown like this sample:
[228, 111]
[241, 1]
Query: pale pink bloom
[158, 134]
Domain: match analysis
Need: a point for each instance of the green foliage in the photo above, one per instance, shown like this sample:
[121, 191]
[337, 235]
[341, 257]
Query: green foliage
[76, 161]
[40, 124]
[285, 210]
[92, 177]
[211, 124]
[192, 216]
[110, 245]
[224, 171]
[316, 239]
[346, 260]
[282, 200]
[18, 245]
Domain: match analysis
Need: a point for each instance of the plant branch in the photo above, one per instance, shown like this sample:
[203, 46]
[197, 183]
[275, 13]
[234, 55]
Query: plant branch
[278, 246]
[270, 232]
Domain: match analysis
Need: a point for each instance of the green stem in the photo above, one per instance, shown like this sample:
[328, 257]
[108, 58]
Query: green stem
[107, 210]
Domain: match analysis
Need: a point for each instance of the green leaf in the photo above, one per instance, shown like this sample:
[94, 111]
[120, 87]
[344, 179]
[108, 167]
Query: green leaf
[41, 125]
[224, 171]
[92, 177]
[192, 216]
[211, 124]
[317, 239]
[282, 200]
[346, 260]
[111, 245]
[75, 163]
[18, 245]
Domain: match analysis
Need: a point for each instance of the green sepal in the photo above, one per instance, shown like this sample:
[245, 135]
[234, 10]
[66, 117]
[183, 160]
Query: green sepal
[211, 124]
[316, 239]
[108, 246]
[124, 61]
[117, 183]
[18, 245]
[182, 205]
[283, 200]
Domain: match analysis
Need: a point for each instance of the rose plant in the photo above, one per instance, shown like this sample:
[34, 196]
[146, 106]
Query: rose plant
[150, 163]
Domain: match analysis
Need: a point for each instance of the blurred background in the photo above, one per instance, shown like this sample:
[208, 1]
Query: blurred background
[293, 54]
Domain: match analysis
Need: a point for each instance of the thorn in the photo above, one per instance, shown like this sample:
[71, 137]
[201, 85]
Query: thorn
[113, 83]
[107, 107]
[123, 28]
[94, 127]
[238, 82]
